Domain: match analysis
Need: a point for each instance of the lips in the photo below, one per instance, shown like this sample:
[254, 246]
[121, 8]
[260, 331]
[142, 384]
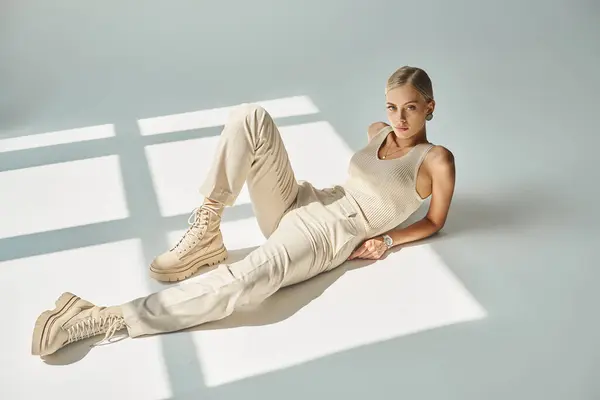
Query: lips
[402, 128]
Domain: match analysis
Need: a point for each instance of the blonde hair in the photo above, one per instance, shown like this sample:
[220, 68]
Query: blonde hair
[414, 76]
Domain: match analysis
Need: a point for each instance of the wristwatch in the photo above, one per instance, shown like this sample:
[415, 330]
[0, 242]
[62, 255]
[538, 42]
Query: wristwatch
[388, 241]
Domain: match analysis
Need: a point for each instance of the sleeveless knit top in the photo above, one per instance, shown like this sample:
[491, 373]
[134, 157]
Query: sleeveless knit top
[385, 190]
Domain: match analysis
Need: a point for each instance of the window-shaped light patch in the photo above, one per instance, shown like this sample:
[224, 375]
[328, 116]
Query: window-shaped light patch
[64, 195]
[107, 274]
[278, 108]
[408, 292]
[57, 138]
[178, 169]
[317, 152]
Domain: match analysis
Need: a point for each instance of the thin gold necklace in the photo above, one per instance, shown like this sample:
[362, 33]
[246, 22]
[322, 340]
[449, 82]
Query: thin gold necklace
[387, 154]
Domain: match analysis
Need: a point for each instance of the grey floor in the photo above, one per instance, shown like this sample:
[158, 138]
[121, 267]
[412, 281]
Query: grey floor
[516, 86]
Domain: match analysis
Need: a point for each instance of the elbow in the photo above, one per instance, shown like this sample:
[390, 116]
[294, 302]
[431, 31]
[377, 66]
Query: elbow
[436, 226]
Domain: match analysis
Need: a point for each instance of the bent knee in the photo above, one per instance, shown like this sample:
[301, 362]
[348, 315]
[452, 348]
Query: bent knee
[248, 110]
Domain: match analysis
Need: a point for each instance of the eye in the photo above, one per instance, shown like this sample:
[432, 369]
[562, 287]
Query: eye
[391, 108]
[411, 108]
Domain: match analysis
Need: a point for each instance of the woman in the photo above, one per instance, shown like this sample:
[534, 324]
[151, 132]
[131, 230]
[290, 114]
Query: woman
[308, 230]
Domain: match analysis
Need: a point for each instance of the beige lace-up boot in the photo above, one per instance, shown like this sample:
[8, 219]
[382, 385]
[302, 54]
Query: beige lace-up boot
[72, 320]
[201, 245]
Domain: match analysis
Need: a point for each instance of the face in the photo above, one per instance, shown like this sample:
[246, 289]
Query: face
[406, 110]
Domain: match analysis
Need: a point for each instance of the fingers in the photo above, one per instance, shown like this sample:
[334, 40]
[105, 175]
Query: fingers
[359, 252]
[368, 250]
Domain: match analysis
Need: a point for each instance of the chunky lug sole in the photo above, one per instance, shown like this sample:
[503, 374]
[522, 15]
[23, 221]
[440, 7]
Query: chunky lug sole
[185, 271]
[45, 321]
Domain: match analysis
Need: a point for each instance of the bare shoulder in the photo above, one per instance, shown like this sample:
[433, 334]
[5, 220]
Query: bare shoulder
[375, 128]
[439, 157]
[439, 164]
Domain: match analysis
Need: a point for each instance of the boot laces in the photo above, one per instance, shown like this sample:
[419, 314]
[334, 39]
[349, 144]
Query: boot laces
[198, 222]
[109, 325]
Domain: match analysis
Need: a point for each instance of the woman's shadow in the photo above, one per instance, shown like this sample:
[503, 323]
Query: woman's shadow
[285, 302]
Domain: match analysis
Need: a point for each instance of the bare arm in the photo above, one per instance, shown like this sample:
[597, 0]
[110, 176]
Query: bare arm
[443, 176]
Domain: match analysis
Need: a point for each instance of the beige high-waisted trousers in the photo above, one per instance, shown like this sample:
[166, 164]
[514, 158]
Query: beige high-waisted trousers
[308, 231]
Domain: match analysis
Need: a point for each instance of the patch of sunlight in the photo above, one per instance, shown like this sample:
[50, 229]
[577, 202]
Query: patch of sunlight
[107, 274]
[409, 292]
[179, 168]
[64, 195]
[56, 138]
[278, 108]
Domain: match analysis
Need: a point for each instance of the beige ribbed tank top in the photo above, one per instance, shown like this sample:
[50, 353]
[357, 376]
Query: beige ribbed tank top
[385, 190]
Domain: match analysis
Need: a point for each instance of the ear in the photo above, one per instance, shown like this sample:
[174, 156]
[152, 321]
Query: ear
[430, 107]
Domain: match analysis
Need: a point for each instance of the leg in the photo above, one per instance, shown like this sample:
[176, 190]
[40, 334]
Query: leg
[215, 295]
[308, 241]
[250, 150]
[290, 254]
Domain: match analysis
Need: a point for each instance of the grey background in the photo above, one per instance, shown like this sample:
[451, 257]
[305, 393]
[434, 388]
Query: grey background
[515, 84]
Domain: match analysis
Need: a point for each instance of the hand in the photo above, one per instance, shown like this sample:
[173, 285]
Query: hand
[372, 249]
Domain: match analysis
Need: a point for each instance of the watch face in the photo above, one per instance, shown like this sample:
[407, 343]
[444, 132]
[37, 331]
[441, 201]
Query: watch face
[388, 240]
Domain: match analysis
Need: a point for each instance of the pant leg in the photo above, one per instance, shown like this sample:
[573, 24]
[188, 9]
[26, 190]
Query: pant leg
[315, 237]
[251, 150]
[291, 254]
